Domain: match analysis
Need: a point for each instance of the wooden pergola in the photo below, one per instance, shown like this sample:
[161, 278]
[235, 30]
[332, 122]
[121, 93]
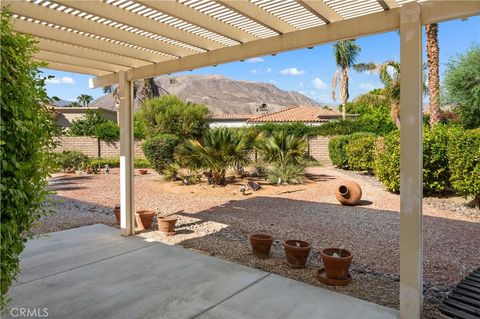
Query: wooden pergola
[119, 41]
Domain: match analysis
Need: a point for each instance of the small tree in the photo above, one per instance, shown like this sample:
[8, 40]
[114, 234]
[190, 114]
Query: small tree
[462, 86]
[170, 115]
[87, 125]
[27, 129]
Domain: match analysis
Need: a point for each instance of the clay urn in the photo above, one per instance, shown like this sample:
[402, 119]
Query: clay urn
[166, 225]
[116, 211]
[144, 219]
[296, 252]
[261, 244]
[348, 193]
[337, 263]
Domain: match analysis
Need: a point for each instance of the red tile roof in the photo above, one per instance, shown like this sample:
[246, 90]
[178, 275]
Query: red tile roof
[233, 116]
[298, 114]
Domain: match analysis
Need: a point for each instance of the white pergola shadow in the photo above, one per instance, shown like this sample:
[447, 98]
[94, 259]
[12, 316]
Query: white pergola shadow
[119, 41]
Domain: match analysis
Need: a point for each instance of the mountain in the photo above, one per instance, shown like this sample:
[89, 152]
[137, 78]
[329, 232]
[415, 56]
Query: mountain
[61, 103]
[223, 95]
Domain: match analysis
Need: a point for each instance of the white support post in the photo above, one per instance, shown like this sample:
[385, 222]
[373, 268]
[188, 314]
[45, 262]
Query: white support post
[411, 163]
[127, 205]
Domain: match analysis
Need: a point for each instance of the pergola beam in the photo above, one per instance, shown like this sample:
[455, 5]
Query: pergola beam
[387, 4]
[81, 62]
[185, 13]
[43, 31]
[115, 13]
[257, 14]
[73, 68]
[320, 9]
[42, 13]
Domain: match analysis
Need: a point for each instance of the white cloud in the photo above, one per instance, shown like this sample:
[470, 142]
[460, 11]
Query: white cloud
[272, 81]
[62, 80]
[269, 70]
[292, 71]
[319, 84]
[254, 60]
[260, 71]
[255, 71]
[366, 86]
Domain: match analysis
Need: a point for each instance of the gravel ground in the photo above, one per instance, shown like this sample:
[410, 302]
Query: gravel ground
[217, 221]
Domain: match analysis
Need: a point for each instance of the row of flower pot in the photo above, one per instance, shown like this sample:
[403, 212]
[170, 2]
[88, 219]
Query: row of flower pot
[335, 260]
[144, 219]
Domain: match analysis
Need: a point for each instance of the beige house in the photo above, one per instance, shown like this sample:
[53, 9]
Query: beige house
[66, 115]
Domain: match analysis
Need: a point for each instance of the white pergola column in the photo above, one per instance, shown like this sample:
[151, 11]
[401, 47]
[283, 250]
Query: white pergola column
[127, 204]
[411, 159]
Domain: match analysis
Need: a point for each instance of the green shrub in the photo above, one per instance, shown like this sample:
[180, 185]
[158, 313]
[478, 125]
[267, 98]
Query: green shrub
[436, 174]
[26, 147]
[108, 131]
[87, 124]
[387, 161]
[336, 150]
[70, 161]
[171, 115]
[359, 151]
[159, 150]
[171, 171]
[339, 127]
[115, 162]
[464, 162]
[294, 129]
[286, 174]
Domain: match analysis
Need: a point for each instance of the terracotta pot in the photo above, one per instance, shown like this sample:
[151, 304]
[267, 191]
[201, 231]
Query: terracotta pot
[297, 252]
[261, 245]
[144, 219]
[336, 268]
[348, 193]
[143, 171]
[116, 211]
[166, 225]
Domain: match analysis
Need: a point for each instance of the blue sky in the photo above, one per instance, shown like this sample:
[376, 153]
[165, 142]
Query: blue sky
[306, 71]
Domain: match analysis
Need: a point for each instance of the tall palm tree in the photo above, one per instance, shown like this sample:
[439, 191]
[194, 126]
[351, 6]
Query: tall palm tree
[346, 53]
[433, 73]
[148, 89]
[85, 99]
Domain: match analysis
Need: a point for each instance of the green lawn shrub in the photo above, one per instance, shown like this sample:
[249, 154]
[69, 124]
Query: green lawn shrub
[107, 131]
[337, 152]
[359, 151]
[436, 173]
[159, 150]
[70, 161]
[386, 162]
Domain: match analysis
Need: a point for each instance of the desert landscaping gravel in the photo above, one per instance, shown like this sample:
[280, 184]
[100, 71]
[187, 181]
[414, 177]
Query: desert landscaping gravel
[218, 220]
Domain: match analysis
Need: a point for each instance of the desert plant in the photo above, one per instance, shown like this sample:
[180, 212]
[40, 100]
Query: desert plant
[387, 161]
[336, 150]
[286, 174]
[217, 151]
[464, 162]
[159, 150]
[70, 161]
[283, 149]
[171, 171]
[359, 151]
[26, 147]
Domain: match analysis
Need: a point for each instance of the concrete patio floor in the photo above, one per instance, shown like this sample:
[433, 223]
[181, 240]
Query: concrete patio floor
[92, 272]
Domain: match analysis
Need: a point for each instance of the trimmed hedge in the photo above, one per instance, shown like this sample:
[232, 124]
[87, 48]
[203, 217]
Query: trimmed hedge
[336, 150]
[386, 161]
[159, 150]
[436, 174]
[464, 162]
[359, 151]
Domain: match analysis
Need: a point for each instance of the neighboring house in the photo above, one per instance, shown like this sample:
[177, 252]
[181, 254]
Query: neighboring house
[230, 120]
[309, 115]
[65, 115]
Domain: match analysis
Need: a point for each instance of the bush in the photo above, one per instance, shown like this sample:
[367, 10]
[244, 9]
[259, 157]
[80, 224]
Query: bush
[159, 150]
[336, 150]
[171, 171]
[70, 161]
[170, 115]
[286, 174]
[294, 129]
[387, 161]
[26, 147]
[436, 175]
[339, 127]
[107, 131]
[115, 162]
[87, 124]
[359, 151]
[464, 162]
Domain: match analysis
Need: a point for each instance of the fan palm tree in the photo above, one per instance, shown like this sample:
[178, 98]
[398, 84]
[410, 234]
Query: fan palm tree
[433, 73]
[148, 89]
[283, 149]
[217, 151]
[346, 53]
[84, 99]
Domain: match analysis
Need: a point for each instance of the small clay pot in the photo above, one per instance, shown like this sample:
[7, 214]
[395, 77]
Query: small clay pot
[144, 219]
[297, 252]
[116, 211]
[336, 268]
[348, 193]
[166, 225]
[261, 245]
[142, 171]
